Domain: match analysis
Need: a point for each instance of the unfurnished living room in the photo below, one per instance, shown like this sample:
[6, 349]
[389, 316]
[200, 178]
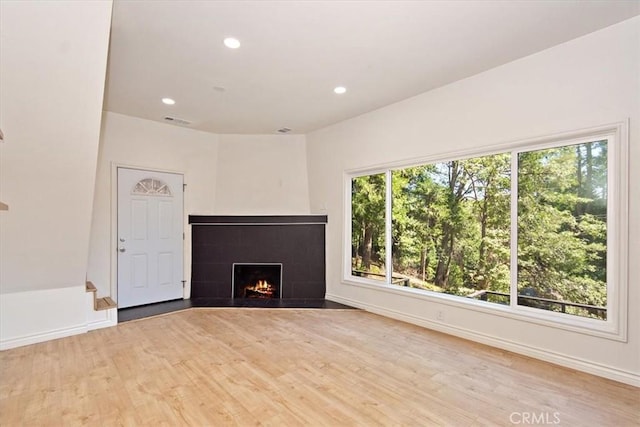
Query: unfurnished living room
[330, 213]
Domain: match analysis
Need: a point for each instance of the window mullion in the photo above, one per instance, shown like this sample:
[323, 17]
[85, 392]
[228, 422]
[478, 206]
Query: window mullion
[513, 288]
[387, 227]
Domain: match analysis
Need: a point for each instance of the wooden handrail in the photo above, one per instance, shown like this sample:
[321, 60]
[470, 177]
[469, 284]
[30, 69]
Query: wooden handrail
[399, 280]
[482, 295]
[521, 298]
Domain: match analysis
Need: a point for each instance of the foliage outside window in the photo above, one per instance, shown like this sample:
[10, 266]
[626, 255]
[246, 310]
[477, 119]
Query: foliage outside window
[451, 223]
[451, 228]
[368, 226]
[562, 229]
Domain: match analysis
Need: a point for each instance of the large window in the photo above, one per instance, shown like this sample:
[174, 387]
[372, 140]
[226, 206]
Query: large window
[527, 228]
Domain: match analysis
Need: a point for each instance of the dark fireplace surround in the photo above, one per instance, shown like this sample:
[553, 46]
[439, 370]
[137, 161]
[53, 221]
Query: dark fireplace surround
[259, 247]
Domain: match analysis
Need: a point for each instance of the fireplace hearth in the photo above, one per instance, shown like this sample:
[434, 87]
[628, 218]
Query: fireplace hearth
[262, 281]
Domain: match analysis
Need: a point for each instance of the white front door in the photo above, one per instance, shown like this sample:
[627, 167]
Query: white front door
[150, 239]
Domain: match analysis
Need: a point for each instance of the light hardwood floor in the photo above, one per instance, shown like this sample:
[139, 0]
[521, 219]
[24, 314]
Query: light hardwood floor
[294, 367]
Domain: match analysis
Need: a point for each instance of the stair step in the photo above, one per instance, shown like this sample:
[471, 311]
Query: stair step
[91, 287]
[105, 303]
[99, 303]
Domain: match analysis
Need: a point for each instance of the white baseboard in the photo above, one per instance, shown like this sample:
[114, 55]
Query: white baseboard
[493, 341]
[42, 337]
[30, 317]
[110, 319]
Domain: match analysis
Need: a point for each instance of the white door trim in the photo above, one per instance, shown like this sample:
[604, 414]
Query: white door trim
[113, 279]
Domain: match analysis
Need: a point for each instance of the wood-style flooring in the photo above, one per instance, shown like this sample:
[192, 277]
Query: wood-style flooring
[218, 367]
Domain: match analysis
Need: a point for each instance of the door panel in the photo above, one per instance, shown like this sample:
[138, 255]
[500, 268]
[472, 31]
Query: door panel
[150, 239]
[165, 220]
[165, 268]
[139, 268]
[139, 219]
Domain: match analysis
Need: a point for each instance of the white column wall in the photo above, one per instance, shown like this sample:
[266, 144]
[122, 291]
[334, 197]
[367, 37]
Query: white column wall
[53, 58]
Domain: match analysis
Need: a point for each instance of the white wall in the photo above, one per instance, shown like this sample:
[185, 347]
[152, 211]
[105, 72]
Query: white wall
[225, 175]
[34, 316]
[53, 59]
[591, 81]
[129, 141]
[262, 175]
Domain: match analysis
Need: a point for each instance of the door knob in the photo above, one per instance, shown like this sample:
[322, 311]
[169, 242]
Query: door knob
[122, 239]
[121, 249]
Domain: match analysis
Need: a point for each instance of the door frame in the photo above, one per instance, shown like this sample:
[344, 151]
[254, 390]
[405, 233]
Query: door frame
[114, 224]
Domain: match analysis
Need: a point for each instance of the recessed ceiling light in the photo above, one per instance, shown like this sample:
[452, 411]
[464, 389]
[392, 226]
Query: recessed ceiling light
[168, 101]
[232, 43]
[340, 90]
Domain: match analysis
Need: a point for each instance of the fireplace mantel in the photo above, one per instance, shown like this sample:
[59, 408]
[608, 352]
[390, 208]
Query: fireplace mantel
[296, 241]
[257, 219]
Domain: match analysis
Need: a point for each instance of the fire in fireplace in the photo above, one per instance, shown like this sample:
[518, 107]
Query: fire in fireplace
[262, 280]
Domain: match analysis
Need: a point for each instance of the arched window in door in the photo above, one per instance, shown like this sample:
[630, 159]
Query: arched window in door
[152, 187]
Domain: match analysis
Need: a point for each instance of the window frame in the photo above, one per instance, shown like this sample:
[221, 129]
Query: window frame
[615, 326]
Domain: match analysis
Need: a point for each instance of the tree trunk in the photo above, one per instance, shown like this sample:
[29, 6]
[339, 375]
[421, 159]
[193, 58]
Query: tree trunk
[444, 260]
[589, 175]
[367, 247]
[448, 230]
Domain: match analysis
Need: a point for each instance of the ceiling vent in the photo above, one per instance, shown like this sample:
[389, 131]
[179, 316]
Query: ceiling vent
[284, 130]
[177, 121]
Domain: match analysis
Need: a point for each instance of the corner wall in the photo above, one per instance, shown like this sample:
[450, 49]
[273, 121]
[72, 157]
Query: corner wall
[590, 81]
[225, 175]
[53, 58]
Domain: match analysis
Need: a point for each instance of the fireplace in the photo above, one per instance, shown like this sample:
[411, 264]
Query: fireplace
[262, 281]
[295, 243]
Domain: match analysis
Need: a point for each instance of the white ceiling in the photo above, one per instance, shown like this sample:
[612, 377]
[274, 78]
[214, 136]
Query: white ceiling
[295, 52]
